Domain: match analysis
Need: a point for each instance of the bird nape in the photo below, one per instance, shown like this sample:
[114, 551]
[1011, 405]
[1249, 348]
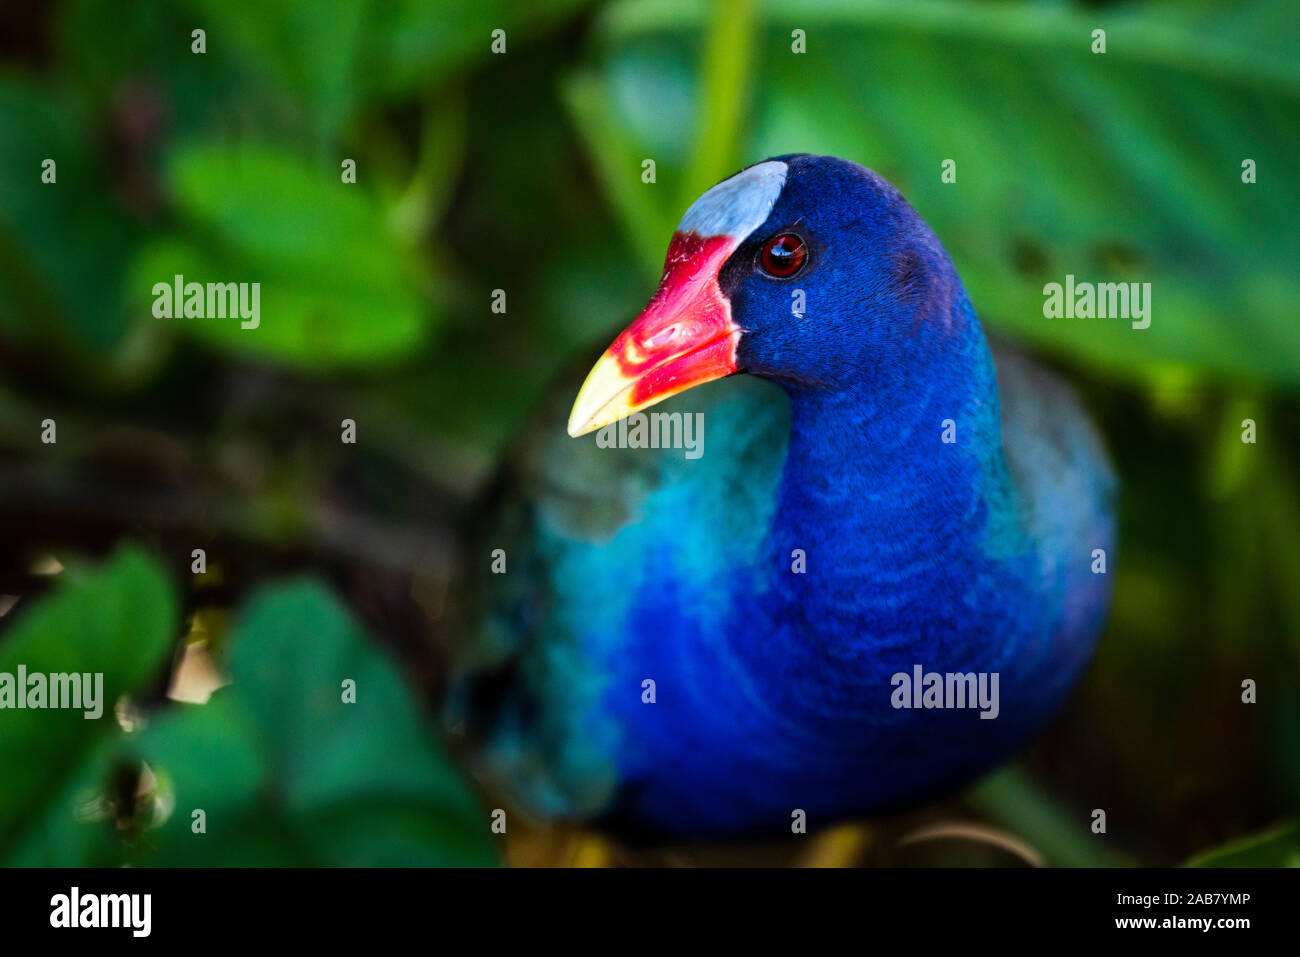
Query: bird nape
[879, 577]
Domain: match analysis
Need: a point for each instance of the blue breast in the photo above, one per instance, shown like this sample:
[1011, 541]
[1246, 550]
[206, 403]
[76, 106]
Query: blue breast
[772, 686]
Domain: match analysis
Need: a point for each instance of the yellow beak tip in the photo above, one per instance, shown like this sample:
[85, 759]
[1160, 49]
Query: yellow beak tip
[584, 421]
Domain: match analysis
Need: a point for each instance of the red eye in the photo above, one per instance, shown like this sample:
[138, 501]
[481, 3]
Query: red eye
[783, 255]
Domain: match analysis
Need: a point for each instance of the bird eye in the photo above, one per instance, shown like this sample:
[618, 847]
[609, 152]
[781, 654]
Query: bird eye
[783, 255]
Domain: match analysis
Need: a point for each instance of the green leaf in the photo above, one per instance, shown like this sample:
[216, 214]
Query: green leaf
[148, 83]
[118, 620]
[307, 48]
[647, 221]
[74, 828]
[1124, 166]
[727, 80]
[336, 288]
[55, 265]
[1276, 847]
[288, 772]
[412, 43]
[1012, 799]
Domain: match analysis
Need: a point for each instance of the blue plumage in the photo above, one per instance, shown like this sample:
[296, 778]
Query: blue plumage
[828, 538]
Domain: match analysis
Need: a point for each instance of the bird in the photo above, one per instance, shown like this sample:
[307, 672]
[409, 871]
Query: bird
[685, 647]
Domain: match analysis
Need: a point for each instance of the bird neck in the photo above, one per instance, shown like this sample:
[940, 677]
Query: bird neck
[894, 489]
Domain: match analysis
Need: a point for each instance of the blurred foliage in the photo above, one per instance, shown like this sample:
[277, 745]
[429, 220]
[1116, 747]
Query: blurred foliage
[340, 293]
[289, 774]
[1279, 847]
[479, 171]
[118, 621]
[284, 770]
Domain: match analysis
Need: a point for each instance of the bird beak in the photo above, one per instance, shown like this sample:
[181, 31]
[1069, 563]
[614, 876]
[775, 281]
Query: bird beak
[684, 337]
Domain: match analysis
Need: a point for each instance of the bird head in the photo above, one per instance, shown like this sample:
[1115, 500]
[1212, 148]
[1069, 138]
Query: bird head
[808, 270]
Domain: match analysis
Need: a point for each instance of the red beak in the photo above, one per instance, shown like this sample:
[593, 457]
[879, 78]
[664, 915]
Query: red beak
[684, 337]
